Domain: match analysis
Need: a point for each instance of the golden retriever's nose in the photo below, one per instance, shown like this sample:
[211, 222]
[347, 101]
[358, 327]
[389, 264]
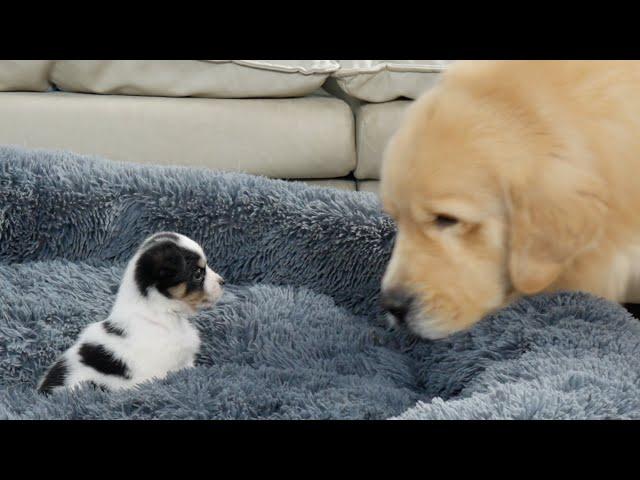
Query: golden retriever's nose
[397, 303]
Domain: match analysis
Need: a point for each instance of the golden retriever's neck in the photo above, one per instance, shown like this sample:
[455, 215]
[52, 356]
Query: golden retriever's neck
[610, 271]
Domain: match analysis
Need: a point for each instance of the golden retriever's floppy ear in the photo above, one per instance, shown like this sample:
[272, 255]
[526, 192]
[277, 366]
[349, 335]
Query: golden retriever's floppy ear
[553, 217]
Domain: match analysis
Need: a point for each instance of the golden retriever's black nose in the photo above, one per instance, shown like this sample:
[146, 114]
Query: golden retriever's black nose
[396, 303]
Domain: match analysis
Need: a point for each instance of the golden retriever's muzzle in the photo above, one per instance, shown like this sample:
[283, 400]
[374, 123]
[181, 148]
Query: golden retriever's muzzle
[397, 303]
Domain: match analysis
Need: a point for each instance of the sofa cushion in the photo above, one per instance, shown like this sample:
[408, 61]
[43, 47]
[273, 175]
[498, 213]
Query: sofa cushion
[372, 186]
[193, 78]
[385, 80]
[24, 75]
[286, 138]
[375, 123]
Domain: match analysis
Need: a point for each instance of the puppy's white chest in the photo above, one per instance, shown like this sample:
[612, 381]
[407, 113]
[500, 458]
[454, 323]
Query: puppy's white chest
[162, 350]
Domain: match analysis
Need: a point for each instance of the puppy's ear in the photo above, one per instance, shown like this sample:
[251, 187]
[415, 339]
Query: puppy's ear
[161, 265]
[553, 217]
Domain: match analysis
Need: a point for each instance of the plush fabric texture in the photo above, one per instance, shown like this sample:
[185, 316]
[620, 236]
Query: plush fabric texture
[298, 333]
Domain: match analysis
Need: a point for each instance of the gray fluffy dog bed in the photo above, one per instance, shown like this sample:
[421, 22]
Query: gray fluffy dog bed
[298, 333]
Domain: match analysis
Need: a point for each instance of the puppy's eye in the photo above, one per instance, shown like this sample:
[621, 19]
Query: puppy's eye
[444, 221]
[198, 274]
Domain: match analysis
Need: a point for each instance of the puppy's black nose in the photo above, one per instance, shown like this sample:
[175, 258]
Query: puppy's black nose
[221, 281]
[397, 303]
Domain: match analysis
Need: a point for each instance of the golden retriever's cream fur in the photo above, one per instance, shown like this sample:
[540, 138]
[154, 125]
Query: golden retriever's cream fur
[511, 178]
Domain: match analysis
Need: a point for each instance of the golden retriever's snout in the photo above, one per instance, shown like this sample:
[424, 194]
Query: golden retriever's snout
[397, 304]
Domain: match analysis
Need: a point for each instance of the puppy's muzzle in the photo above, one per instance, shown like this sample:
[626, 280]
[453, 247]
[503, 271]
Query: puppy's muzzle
[213, 291]
[397, 303]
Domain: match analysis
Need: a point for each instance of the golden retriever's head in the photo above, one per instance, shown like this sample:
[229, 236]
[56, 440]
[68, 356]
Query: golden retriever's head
[486, 205]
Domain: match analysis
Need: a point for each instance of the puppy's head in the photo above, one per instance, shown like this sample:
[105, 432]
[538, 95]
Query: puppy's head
[486, 206]
[176, 267]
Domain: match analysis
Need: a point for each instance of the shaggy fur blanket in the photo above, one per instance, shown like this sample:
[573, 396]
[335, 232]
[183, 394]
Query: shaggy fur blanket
[298, 333]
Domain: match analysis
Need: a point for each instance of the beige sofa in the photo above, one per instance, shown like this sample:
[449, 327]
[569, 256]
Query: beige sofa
[321, 121]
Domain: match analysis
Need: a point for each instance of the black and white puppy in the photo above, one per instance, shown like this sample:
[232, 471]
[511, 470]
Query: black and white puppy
[148, 333]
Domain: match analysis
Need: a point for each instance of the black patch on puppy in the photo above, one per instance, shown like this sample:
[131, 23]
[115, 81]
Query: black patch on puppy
[55, 377]
[166, 265]
[112, 329]
[102, 360]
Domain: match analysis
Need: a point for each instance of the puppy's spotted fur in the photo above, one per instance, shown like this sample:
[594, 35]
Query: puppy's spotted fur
[148, 333]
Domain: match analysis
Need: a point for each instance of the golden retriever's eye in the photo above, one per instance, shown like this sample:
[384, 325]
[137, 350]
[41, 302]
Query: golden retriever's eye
[444, 221]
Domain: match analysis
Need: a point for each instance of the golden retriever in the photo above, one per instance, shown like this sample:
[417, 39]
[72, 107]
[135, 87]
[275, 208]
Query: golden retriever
[512, 178]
